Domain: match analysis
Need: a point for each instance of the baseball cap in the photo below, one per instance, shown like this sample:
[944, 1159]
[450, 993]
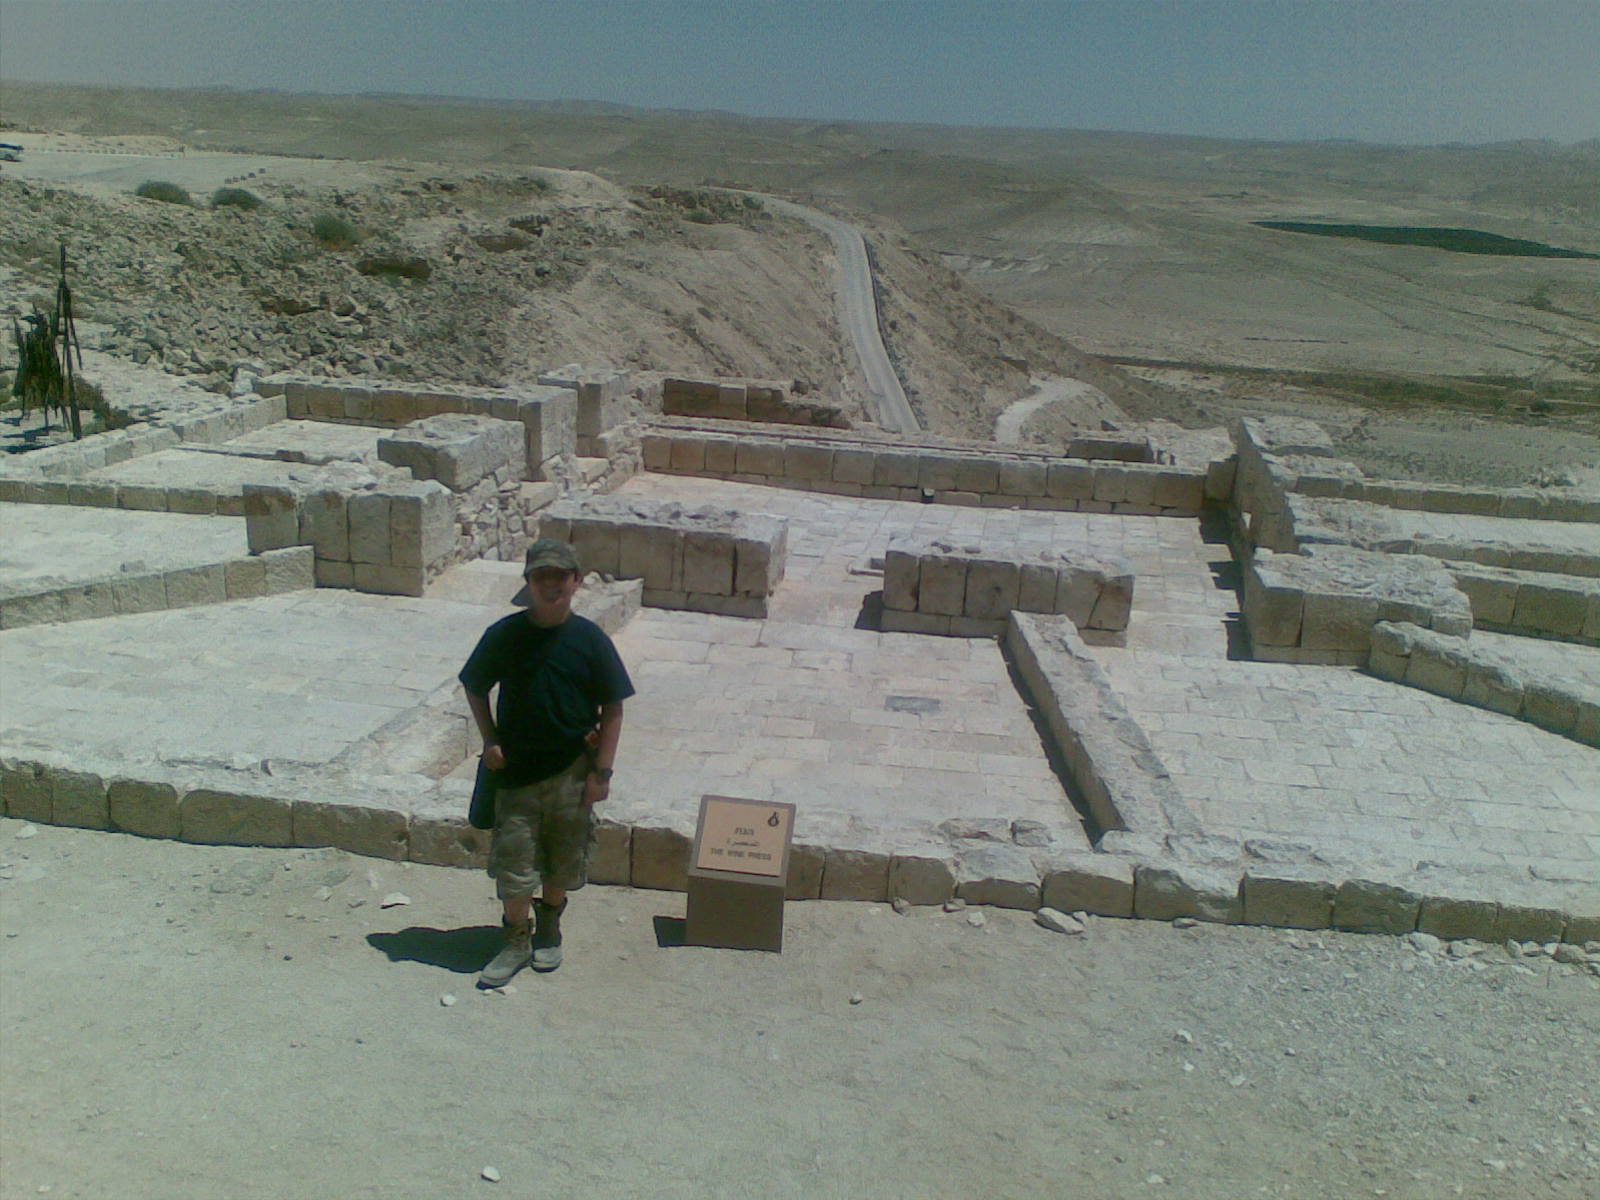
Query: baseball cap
[550, 552]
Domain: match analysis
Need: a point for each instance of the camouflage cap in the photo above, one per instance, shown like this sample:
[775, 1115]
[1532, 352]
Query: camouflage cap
[549, 552]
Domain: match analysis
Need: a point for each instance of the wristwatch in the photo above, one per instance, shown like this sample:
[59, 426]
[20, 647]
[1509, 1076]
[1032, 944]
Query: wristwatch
[603, 774]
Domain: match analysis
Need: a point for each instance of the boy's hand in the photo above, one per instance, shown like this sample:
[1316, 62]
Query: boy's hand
[596, 789]
[493, 757]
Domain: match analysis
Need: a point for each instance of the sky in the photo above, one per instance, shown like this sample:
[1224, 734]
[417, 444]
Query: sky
[1413, 72]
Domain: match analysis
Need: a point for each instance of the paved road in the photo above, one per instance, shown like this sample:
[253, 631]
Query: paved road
[886, 399]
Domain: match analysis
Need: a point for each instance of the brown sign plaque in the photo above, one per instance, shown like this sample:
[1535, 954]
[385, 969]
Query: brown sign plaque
[739, 873]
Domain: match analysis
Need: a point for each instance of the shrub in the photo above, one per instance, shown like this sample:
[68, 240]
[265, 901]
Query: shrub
[232, 197]
[334, 232]
[160, 189]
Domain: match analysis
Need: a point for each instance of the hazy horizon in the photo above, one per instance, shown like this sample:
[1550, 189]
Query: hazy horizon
[1374, 71]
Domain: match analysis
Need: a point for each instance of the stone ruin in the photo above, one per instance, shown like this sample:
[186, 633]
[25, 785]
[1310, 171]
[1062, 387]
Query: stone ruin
[424, 491]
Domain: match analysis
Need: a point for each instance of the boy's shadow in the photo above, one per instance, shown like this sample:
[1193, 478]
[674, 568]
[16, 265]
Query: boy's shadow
[463, 951]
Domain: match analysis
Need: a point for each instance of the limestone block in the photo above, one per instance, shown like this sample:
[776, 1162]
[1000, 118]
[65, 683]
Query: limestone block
[88, 602]
[439, 833]
[1337, 622]
[1114, 604]
[761, 549]
[1162, 893]
[657, 450]
[325, 524]
[597, 543]
[1436, 673]
[87, 495]
[1022, 476]
[1372, 906]
[1586, 721]
[1077, 592]
[1036, 587]
[760, 457]
[1272, 605]
[1549, 707]
[1183, 491]
[999, 875]
[271, 515]
[936, 470]
[1452, 918]
[1088, 882]
[660, 858]
[197, 501]
[27, 791]
[384, 580]
[234, 819]
[289, 570]
[394, 406]
[1529, 923]
[855, 875]
[140, 593]
[806, 460]
[1550, 610]
[369, 527]
[39, 609]
[942, 585]
[688, 455]
[722, 456]
[1219, 478]
[421, 523]
[1493, 598]
[805, 872]
[147, 497]
[708, 562]
[1287, 898]
[919, 879]
[977, 627]
[1070, 481]
[358, 400]
[144, 808]
[853, 466]
[896, 468]
[991, 590]
[897, 621]
[358, 828]
[1492, 686]
[901, 571]
[244, 578]
[196, 585]
[652, 553]
[977, 473]
[1582, 927]
[1524, 503]
[612, 859]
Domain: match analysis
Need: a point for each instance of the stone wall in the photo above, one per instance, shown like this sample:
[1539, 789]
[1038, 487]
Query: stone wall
[932, 585]
[747, 400]
[1321, 606]
[601, 399]
[1533, 604]
[886, 471]
[239, 579]
[704, 559]
[1455, 668]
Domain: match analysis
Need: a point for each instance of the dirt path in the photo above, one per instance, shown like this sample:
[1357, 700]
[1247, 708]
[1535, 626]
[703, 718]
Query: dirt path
[1082, 406]
[224, 1022]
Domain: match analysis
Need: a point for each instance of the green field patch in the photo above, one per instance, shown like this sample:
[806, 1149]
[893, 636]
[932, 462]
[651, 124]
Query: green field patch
[1461, 241]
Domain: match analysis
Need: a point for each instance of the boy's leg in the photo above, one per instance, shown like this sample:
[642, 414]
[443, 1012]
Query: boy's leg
[568, 831]
[513, 864]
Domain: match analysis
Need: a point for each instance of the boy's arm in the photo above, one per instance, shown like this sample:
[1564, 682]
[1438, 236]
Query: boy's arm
[493, 756]
[598, 786]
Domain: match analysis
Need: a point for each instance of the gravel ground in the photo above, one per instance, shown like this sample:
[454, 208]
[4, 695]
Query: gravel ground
[231, 1022]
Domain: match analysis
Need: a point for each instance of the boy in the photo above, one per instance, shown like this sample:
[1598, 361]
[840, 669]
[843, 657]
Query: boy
[551, 743]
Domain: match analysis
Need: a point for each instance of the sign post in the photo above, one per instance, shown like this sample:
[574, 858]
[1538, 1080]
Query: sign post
[738, 872]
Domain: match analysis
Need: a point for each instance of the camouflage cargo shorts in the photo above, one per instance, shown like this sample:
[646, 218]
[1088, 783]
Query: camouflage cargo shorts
[543, 834]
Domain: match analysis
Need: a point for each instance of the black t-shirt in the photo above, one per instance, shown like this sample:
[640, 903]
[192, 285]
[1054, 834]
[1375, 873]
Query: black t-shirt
[552, 684]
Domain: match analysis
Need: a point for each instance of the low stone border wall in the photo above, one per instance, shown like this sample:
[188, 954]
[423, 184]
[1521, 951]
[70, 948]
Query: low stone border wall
[1001, 863]
[881, 471]
[931, 585]
[1554, 607]
[221, 422]
[548, 415]
[1453, 667]
[706, 560]
[1105, 751]
[1321, 606]
[142, 496]
[458, 449]
[746, 400]
[602, 403]
[238, 579]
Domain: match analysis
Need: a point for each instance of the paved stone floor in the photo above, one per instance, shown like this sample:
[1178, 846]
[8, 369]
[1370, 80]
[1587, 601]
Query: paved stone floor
[50, 545]
[298, 677]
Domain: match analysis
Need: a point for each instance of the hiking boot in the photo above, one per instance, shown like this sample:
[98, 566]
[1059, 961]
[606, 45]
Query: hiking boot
[513, 956]
[547, 935]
